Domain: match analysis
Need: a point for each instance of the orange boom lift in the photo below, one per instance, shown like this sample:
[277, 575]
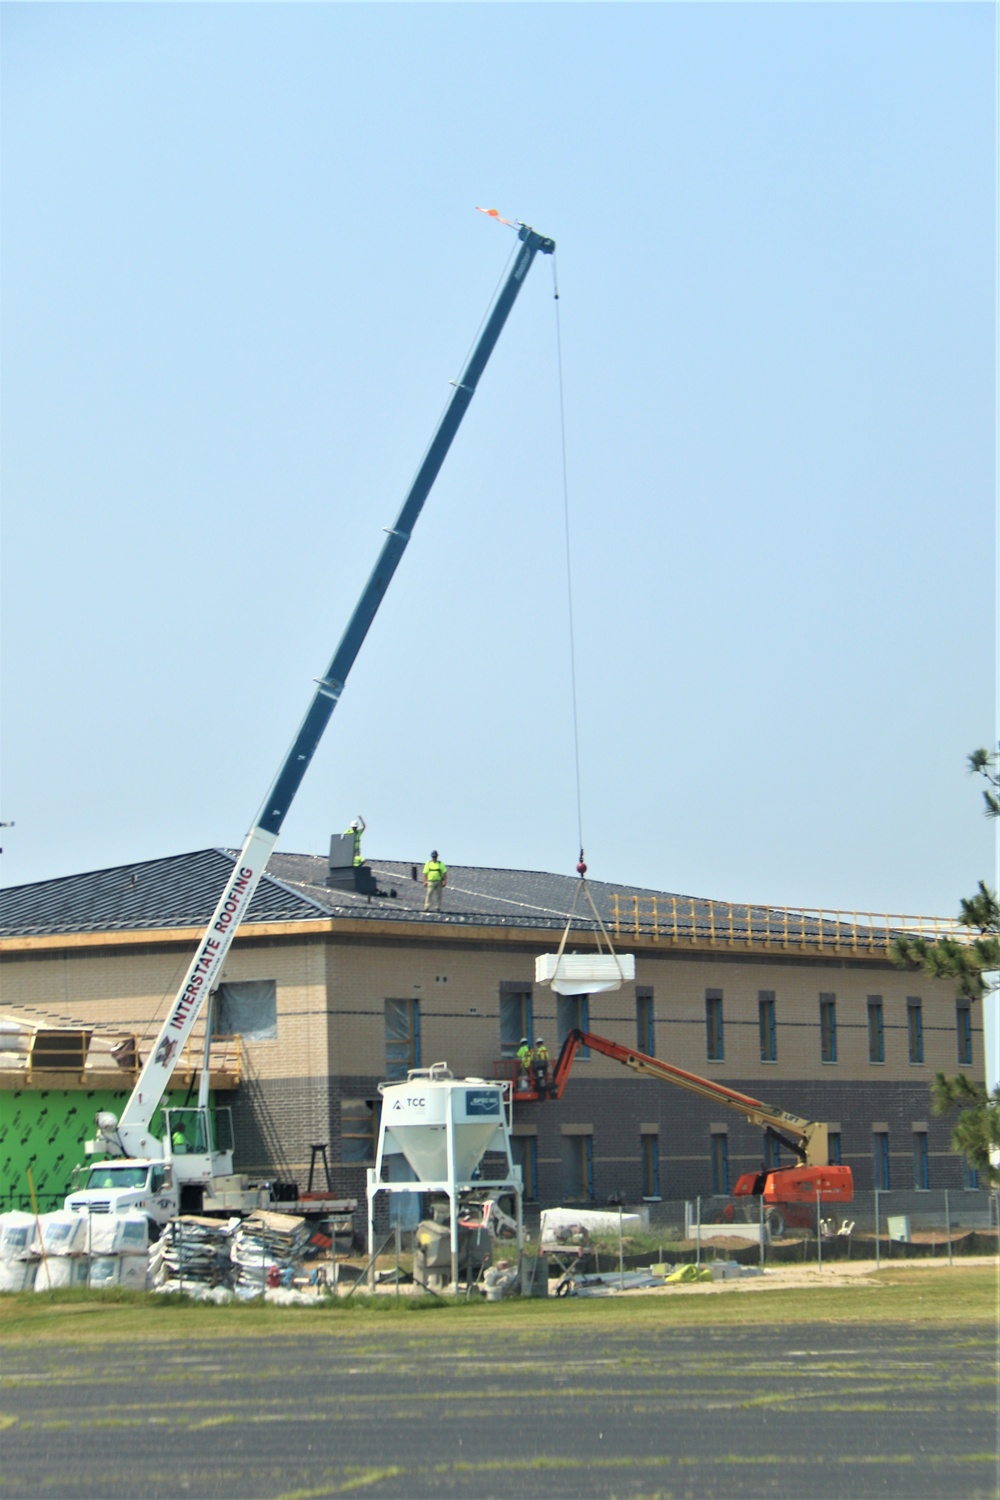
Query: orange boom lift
[808, 1139]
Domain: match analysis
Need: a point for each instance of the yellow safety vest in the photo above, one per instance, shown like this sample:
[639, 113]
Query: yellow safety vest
[434, 871]
[541, 1054]
[524, 1057]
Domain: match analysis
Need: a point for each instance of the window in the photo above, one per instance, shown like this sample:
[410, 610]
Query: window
[713, 1025]
[880, 1162]
[828, 1028]
[772, 1150]
[645, 1037]
[358, 1129]
[515, 1018]
[248, 1009]
[574, 1013]
[963, 1027]
[188, 1131]
[914, 1029]
[650, 1166]
[765, 1021]
[970, 1177]
[876, 1030]
[402, 1037]
[921, 1164]
[577, 1167]
[524, 1149]
[720, 1163]
[833, 1148]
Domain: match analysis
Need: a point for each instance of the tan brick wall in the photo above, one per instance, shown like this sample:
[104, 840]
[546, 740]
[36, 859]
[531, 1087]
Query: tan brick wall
[459, 994]
[132, 990]
[331, 996]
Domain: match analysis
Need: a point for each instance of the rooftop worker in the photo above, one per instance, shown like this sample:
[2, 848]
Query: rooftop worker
[523, 1063]
[357, 828]
[435, 879]
[540, 1067]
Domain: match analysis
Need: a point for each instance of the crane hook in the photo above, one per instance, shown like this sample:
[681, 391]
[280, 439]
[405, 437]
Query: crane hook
[581, 866]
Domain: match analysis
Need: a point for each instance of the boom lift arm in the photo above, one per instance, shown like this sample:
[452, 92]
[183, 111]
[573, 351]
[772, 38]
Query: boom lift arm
[133, 1136]
[808, 1139]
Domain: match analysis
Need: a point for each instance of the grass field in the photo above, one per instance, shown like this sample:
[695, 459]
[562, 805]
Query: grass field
[878, 1386]
[912, 1294]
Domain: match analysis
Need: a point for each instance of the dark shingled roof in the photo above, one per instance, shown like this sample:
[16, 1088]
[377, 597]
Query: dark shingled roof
[181, 891]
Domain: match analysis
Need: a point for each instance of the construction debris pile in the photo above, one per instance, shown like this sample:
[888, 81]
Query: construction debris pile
[267, 1252]
[215, 1260]
[193, 1256]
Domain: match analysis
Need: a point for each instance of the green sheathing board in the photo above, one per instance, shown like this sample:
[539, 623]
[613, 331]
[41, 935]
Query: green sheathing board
[45, 1129]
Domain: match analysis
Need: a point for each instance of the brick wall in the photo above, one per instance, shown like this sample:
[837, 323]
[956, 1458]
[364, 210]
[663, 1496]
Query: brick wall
[331, 992]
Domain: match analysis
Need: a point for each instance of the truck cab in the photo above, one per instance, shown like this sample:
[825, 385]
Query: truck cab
[129, 1187]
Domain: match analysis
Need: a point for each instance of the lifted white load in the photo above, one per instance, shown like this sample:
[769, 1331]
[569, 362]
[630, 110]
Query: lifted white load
[584, 973]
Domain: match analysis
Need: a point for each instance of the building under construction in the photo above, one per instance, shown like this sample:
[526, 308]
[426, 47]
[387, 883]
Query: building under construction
[339, 979]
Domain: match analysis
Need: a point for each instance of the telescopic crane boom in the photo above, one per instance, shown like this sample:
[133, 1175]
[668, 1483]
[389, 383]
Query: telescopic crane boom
[808, 1139]
[132, 1134]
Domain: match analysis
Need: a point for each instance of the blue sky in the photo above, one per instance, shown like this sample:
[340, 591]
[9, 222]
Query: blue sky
[241, 264]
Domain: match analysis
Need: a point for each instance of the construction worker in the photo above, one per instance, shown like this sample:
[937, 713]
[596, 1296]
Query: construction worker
[178, 1142]
[523, 1064]
[540, 1067]
[357, 828]
[435, 879]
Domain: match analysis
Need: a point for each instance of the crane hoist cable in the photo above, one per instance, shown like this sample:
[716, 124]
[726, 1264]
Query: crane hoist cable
[581, 864]
[569, 561]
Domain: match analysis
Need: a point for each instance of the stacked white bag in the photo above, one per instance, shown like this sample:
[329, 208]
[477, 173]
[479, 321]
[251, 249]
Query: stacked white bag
[98, 1250]
[60, 1245]
[17, 1258]
[119, 1247]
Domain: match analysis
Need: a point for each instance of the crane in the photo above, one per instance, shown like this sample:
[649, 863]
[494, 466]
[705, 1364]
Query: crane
[807, 1139]
[132, 1135]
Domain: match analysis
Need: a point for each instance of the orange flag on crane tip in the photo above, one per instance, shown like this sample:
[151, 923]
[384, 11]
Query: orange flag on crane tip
[494, 213]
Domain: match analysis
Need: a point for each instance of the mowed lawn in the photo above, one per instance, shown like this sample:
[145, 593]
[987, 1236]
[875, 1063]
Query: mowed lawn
[926, 1294]
[881, 1386]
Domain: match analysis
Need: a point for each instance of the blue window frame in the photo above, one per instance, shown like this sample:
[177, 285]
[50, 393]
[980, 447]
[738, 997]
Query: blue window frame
[880, 1159]
[573, 1012]
[915, 1029]
[828, 1028]
[876, 1030]
[516, 1018]
[645, 1030]
[578, 1167]
[772, 1150]
[650, 1166]
[921, 1160]
[358, 1129]
[970, 1177]
[714, 1040]
[833, 1148]
[765, 1022]
[720, 1163]
[402, 1037]
[963, 1029]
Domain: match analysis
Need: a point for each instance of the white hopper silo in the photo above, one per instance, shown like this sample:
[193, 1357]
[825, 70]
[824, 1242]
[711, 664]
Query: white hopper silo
[443, 1127]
